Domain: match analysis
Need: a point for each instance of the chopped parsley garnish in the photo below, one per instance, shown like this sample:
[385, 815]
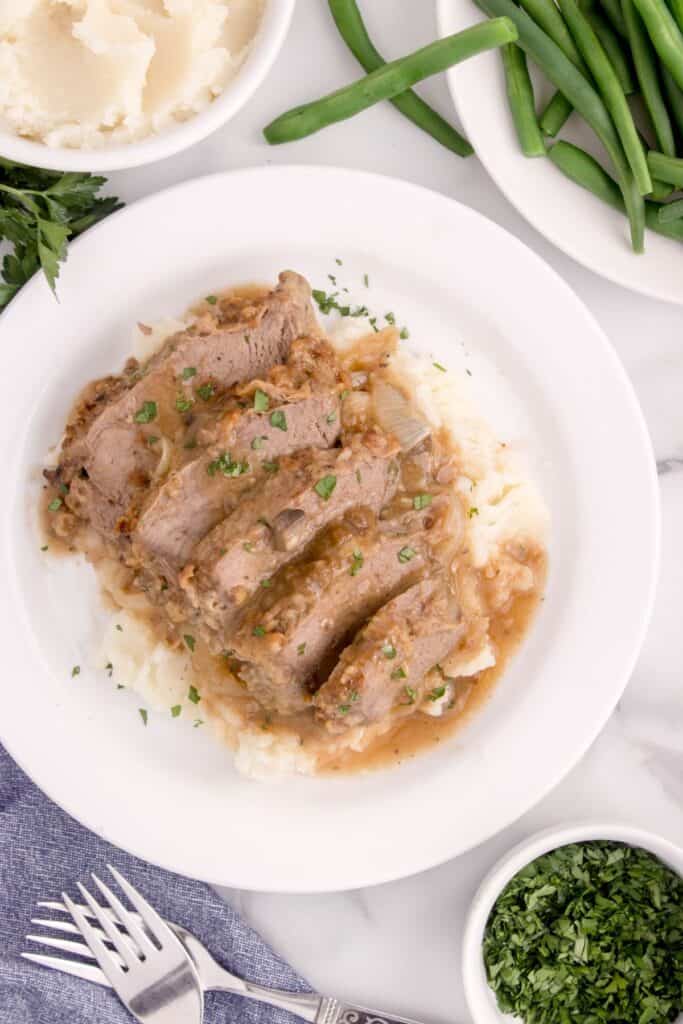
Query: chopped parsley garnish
[225, 465]
[588, 932]
[439, 367]
[44, 547]
[261, 401]
[109, 668]
[266, 583]
[258, 631]
[325, 486]
[331, 417]
[248, 547]
[193, 695]
[183, 403]
[344, 709]
[212, 299]
[75, 671]
[119, 627]
[301, 649]
[326, 303]
[399, 673]
[345, 394]
[437, 693]
[206, 391]
[197, 722]
[404, 333]
[366, 280]
[356, 563]
[405, 554]
[333, 279]
[389, 651]
[278, 420]
[473, 512]
[120, 686]
[55, 505]
[143, 715]
[337, 261]
[152, 439]
[271, 467]
[421, 501]
[192, 443]
[176, 709]
[410, 693]
[189, 371]
[359, 476]
[190, 641]
[390, 318]
[257, 442]
[146, 413]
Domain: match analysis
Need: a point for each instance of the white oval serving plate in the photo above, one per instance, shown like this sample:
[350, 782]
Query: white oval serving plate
[573, 219]
[543, 371]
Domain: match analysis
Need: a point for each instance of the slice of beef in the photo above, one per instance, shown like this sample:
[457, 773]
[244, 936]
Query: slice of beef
[275, 522]
[204, 491]
[291, 636]
[383, 672]
[107, 455]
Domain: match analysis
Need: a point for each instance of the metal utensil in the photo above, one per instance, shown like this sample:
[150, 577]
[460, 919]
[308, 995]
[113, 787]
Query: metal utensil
[310, 1007]
[138, 955]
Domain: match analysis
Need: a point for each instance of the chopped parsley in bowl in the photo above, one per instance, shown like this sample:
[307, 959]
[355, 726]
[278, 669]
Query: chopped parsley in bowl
[586, 929]
[589, 932]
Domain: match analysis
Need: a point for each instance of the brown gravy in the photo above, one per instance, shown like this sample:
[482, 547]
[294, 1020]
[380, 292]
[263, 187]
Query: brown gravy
[409, 736]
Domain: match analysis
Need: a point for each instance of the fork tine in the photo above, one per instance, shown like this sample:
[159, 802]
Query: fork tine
[103, 955]
[154, 923]
[125, 950]
[125, 917]
[86, 971]
[66, 945]
[57, 926]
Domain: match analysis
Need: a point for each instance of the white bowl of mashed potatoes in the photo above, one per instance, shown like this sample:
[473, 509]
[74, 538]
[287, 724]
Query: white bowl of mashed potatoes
[106, 84]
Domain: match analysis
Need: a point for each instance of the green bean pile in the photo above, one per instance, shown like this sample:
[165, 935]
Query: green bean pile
[599, 55]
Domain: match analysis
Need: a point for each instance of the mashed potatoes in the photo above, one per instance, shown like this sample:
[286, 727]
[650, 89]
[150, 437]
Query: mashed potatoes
[88, 73]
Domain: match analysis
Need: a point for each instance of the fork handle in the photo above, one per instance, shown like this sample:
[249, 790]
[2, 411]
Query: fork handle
[334, 1012]
[305, 1005]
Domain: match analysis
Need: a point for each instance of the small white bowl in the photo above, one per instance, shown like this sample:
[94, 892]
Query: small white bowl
[480, 999]
[265, 47]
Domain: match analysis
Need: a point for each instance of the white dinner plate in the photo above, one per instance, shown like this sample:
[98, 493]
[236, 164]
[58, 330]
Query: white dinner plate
[545, 374]
[573, 219]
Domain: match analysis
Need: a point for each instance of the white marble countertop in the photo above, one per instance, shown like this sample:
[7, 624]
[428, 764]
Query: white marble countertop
[397, 946]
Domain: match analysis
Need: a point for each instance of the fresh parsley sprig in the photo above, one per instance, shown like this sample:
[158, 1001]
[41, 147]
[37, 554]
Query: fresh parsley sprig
[40, 211]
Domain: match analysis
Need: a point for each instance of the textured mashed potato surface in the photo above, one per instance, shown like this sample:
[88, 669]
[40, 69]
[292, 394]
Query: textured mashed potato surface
[89, 73]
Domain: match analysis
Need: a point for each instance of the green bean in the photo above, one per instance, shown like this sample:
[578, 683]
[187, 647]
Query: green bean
[555, 114]
[583, 169]
[676, 8]
[389, 80]
[606, 80]
[612, 9]
[546, 14]
[583, 97]
[660, 190]
[664, 34]
[666, 168]
[674, 98]
[521, 99]
[670, 212]
[646, 70]
[348, 20]
[620, 60]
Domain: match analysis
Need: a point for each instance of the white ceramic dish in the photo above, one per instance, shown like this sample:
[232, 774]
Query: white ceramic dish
[480, 999]
[573, 219]
[266, 45]
[544, 372]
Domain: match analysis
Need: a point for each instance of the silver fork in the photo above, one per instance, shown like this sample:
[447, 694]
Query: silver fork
[148, 967]
[310, 1007]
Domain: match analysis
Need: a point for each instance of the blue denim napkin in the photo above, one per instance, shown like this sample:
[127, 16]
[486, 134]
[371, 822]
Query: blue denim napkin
[42, 852]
